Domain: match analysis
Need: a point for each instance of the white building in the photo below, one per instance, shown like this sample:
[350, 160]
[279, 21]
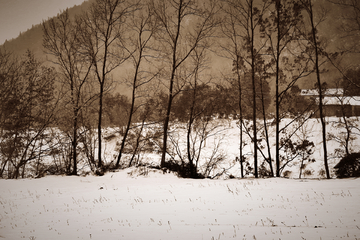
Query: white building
[335, 102]
[328, 92]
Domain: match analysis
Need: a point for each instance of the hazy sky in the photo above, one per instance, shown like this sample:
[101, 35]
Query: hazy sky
[19, 15]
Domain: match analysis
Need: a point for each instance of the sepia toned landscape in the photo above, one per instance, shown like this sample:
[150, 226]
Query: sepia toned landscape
[183, 119]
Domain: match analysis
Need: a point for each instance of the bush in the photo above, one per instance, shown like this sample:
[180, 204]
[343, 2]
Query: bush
[322, 173]
[308, 172]
[184, 170]
[287, 174]
[349, 166]
[263, 171]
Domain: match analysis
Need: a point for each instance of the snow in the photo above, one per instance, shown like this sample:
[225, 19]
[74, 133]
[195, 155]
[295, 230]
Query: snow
[148, 204]
[329, 91]
[143, 203]
[352, 101]
[227, 136]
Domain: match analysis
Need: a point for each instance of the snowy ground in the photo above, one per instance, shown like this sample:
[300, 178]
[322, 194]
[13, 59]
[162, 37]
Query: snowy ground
[161, 206]
[227, 137]
[128, 205]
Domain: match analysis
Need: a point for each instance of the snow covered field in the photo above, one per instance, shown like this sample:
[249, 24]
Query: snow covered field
[132, 205]
[161, 206]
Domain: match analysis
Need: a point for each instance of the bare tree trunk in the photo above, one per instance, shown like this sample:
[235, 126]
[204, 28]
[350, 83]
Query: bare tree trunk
[74, 144]
[171, 87]
[240, 123]
[166, 123]
[268, 159]
[320, 90]
[193, 168]
[188, 134]
[348, 133]
[100, 163]
[252, 50]
[239, 86]
[277, 102]
[127, 129]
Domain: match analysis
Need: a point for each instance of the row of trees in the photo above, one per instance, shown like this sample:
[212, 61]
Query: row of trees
[280, 40]
[163, 50]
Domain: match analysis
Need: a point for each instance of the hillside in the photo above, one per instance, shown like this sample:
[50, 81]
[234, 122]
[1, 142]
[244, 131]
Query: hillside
[32, 38]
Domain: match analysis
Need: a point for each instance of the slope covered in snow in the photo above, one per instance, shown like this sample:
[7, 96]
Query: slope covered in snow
[143, 203]
[225, 137]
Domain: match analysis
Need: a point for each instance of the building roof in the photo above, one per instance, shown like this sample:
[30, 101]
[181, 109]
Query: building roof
[328, 92]
[346, 100]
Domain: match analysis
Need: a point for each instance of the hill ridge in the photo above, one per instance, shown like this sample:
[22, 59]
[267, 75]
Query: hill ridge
[31, 39]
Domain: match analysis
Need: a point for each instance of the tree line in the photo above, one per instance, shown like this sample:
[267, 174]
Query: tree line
[163, 51]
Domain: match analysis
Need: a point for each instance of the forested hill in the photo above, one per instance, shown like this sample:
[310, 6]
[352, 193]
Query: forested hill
[32, 38]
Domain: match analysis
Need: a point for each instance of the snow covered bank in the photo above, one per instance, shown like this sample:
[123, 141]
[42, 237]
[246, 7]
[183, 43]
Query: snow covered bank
[220, 146]
[162, 206]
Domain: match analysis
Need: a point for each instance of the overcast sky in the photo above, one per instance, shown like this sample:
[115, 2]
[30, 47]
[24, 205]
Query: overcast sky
[19, 15]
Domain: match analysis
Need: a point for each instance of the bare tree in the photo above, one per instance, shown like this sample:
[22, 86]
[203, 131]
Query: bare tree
[264, 98]
[249, 16]
[196, 109]
[316, 52]
[185, 24]
[232, 48]
[103, 37]
[143, 24]
[200, 127]
[61, 40]
[280, 28]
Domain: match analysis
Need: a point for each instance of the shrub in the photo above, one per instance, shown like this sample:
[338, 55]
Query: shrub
[322, 173]
[263, 171]
[287, 174]
[184, 170]
[308, 172]
[349, 166]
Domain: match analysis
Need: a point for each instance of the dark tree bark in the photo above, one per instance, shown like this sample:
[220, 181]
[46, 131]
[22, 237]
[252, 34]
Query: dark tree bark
[308, 5]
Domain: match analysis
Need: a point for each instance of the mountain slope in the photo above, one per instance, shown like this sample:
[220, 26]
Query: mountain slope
[32, 38]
